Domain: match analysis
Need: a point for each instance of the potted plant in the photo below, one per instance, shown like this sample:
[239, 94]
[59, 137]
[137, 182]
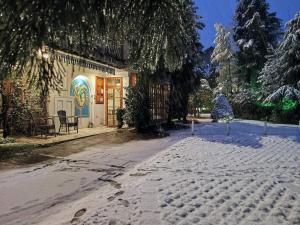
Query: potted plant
[120, 117]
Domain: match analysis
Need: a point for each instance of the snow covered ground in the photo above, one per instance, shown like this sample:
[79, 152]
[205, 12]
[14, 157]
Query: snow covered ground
[208, 178]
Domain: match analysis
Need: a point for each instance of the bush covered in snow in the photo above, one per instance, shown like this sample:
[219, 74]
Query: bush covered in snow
[282, 106]
[286, 104]
[222, 108]
[244, 105]
[284, 92]
[137, 112]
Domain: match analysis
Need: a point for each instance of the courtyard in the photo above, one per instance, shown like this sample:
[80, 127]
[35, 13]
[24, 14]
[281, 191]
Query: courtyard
[142, 112]
[206, 178]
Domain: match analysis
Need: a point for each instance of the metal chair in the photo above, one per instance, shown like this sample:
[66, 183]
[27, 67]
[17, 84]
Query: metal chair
[67, 121]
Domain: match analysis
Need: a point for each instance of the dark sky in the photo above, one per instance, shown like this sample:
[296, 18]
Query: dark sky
[222, 11]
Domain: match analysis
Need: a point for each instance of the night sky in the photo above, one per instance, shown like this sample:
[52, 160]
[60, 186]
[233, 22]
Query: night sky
[222, 11]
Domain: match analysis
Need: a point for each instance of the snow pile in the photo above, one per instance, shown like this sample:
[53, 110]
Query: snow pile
[285, 91]
[205, 85]
[222, 108]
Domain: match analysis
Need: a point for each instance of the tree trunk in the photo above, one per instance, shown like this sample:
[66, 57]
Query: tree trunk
[5, 115]
[43, 104]
[185, 108]
[170, 104]
[230, 78]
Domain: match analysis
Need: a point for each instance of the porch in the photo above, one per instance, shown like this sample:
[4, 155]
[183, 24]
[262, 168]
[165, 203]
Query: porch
[63, 137]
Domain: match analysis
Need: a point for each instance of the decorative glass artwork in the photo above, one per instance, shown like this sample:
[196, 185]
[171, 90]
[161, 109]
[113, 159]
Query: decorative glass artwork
[81, 91]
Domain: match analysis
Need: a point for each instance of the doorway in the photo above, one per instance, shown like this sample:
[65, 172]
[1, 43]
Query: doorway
[114, 99]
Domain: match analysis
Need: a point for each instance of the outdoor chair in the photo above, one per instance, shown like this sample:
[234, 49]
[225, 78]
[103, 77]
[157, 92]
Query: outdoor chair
[43, 125]
[67, 121]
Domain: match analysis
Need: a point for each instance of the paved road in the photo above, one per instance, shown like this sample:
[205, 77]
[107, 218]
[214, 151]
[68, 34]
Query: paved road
[28, 195]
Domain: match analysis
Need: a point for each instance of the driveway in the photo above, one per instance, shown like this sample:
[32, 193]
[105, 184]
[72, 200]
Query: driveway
[30, 194]
[208, 178]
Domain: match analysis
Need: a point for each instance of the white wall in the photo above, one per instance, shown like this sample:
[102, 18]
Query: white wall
[63, 99]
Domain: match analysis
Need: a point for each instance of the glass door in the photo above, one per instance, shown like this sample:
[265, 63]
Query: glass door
[114, 99]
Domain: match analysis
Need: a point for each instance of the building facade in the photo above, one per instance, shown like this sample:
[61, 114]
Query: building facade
[92, 91]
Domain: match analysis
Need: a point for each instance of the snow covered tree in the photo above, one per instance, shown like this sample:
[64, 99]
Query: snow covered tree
[162, 29]
[211, 72]
[255, 31]
[183, 83]
[154, 29]
[283, 65]
[223, 55]
[30, 31]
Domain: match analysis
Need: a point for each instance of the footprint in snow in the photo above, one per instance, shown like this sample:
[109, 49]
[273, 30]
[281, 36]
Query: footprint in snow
[78, 214]
[124, 202]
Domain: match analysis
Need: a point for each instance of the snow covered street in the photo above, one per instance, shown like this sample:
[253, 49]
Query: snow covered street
[209, 178]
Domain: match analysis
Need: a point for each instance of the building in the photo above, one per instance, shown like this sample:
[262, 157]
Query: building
[91, 90]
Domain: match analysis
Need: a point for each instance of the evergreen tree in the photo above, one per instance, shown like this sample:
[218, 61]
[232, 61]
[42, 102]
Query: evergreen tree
[211, 72]
[283, 65]
[30, 31]
[186, 81]
[255, 31]
[161, 29]
[153, 29]
[223, 55]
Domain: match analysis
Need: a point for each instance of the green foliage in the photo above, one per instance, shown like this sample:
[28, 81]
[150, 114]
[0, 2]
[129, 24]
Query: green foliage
[266, 104]
[201, 101]
[137, 107]
[284, 104]
[19, 118]
[289, 105]
[120, 117]
[246, 106]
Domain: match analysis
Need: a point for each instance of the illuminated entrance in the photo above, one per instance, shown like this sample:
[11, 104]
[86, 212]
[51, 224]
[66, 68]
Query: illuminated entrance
[114, 99]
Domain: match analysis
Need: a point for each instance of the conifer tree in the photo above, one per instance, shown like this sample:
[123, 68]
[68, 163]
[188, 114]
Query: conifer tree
[223, 55]
[154, 29]
[255, 31]
[211, 72]
[283, 65]
[30, 31]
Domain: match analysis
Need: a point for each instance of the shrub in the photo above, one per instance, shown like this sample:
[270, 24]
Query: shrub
[245, 106]
[120, 117]
[281, 116]
[7, 140]
[137, 112]
[201, 101]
